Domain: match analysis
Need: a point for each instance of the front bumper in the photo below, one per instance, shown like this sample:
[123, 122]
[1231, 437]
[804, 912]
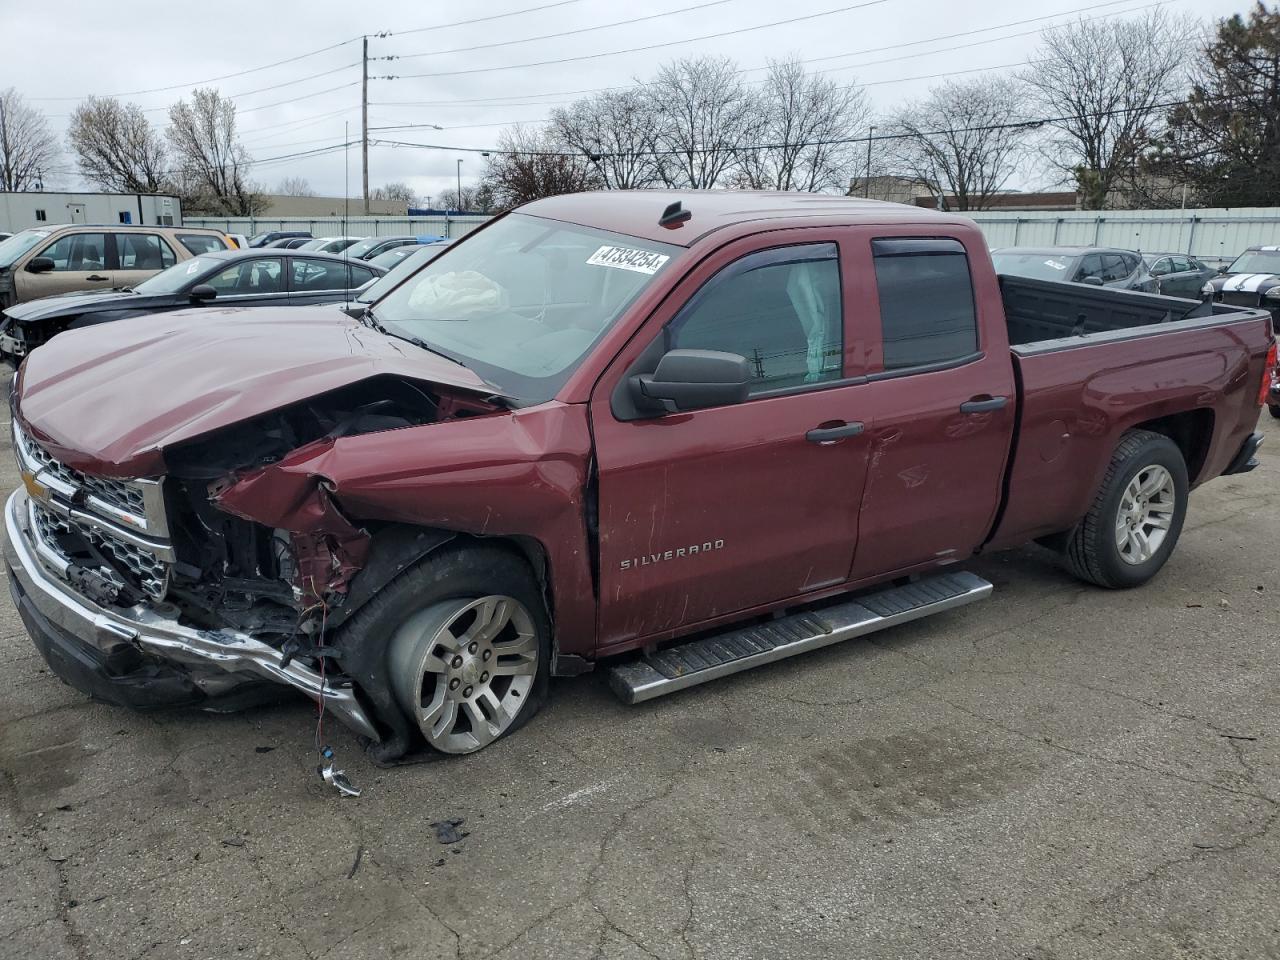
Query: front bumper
[141, 658]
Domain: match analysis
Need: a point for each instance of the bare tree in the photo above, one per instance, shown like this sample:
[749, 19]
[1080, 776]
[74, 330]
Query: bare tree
[617, 132]
[28, 149]
[295, 187]
[212, 163]
[1108, 80]
[533, 164]
[395, 191]
[116, 147]
[705, 114]
[803, 115]
[956, 141]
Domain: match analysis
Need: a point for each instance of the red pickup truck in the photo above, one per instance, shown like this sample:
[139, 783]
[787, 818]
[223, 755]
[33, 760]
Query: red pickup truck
[685, 433]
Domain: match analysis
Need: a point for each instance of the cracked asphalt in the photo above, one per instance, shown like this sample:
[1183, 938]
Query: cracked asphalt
[1057, 772]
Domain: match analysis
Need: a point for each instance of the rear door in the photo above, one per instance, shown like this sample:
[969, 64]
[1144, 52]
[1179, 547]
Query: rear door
[139, 256]
[940, 400]
[79, 263]
[250, 282]
[706, 513]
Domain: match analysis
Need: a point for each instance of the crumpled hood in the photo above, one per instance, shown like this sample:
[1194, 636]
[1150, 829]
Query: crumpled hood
[109, 399]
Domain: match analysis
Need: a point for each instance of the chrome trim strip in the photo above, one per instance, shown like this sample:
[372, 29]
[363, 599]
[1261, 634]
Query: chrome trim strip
[225, 650]
[161, 550]
[639, 680]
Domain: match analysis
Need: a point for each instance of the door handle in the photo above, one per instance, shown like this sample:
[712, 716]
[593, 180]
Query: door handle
[95, 277]
[832, 434]
[983, 404]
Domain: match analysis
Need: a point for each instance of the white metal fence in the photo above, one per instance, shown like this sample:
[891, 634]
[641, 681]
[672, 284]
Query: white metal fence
[447, 226]
[1215, 233]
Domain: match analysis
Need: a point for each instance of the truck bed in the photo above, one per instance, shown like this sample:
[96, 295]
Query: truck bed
[1091, 363]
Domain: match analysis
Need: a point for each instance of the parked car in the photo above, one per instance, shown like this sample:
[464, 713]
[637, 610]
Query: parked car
[44, 261]
[1099, 266]
[1177, 274]
[287, 243]
[239, 240]
[371, 247]
[329, 244]
[262, 239]
[411, 257]
[662, 433]
[1250, 280]
[240, 278]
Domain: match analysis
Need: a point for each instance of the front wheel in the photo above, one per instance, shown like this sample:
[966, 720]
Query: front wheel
[467, 645]
[1136, 517]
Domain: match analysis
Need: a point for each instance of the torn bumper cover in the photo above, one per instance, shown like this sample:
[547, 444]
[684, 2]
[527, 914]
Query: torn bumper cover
[139, 657]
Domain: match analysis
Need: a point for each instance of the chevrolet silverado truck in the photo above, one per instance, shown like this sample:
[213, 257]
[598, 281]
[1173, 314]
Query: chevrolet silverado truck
[676, 435]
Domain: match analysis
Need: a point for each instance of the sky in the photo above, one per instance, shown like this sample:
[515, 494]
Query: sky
[474, 78]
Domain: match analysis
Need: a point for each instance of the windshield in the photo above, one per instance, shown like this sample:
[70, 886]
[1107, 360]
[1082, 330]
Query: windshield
[177, 276]
[1251, 261]
[523, 300]
[399, 262]
[1036, 266]
[18, 244]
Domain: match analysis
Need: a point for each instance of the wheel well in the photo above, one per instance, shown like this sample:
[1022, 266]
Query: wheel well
[1191, 430]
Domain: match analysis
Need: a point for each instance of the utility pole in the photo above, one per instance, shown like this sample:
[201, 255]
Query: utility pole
[866, 181]
[364, 123]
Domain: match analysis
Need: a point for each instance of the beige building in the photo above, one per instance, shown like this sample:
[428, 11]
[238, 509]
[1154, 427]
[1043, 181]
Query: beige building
[281, 206]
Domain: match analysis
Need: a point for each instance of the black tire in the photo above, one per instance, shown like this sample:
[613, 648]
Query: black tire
[1092, 552]
[465, 571]
[1274, 409]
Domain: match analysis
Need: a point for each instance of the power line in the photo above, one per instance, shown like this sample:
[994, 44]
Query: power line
[562, 33]
[464, 23]
[652, 46]
[1028, 123]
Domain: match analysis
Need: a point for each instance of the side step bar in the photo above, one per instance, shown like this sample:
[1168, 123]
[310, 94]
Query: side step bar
[719, 655]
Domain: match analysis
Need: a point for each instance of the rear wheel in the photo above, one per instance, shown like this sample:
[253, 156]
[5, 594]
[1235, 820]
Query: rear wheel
[1275, 410]
[1136, 517]
[467, 643]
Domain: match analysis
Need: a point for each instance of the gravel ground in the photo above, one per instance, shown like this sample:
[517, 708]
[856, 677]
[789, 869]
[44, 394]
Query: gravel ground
[1058, 772]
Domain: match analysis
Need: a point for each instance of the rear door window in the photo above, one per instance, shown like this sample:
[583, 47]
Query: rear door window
[927, 313]
[309, 276]
[1114, 268]
[144, 251]
[778, 308]
[250, 278]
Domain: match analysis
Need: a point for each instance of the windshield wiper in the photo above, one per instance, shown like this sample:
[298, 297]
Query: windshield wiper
[416, 341]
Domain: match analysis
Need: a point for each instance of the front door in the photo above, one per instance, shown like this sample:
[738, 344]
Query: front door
[714, 511]
[79, 263]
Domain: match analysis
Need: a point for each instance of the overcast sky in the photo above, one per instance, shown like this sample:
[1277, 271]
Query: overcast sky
[58, 54]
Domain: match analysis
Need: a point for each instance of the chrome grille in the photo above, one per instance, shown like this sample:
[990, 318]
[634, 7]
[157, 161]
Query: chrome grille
[125, 496]
[107, 513]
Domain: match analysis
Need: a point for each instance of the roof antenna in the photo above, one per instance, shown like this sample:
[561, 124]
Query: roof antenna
[674, 215]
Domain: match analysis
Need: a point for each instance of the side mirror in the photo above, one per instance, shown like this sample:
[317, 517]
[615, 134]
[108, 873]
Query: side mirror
[202, 292]
[1093, 281]
[40, 265]
[692, 380]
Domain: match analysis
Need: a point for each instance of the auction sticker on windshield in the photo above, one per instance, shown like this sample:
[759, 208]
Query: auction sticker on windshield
[628, 258]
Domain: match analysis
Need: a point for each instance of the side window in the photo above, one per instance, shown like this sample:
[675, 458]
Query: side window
[313, 275]
[198, 243]
[77, 252]
[1090, 266]
[41, 215]
[1162, 267]
[1183, 264]
[143, 251]
[249, 278]
[1114, 267]
[360, 276]
[927, 312]
[778, 308]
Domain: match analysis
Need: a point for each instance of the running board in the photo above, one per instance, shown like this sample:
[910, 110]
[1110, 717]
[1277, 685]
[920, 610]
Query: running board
[719, 655]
